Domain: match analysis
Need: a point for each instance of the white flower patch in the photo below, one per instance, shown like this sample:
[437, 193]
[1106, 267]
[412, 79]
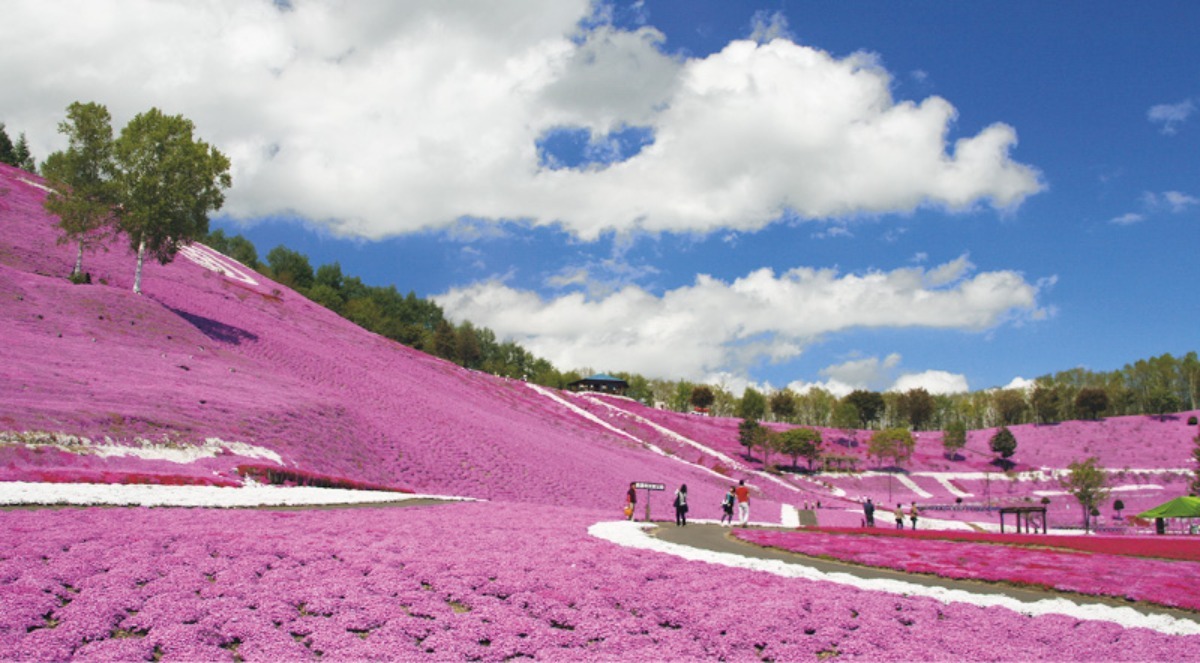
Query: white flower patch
[253, 495]
[216, 262]
[143, 449]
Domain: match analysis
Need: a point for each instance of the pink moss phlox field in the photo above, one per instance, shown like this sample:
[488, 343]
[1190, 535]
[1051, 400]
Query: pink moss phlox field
[1163, 547]
[1171, 583]
[481, 581]
[204, 355]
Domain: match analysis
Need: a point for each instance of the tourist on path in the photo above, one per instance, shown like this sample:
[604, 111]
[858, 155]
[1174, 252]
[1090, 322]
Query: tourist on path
[681, 507]
[630, 501]
[912, 515]
[743, 501]
[899, 514]
[869, 510]
[727, 507]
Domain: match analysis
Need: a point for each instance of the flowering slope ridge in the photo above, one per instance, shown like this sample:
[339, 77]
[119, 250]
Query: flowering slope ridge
[635, 535]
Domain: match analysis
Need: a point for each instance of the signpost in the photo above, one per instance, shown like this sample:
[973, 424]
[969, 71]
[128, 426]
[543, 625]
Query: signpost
[648, 486]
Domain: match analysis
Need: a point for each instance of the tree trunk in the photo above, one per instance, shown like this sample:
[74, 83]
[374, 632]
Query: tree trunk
[78, 260]
[137, 276]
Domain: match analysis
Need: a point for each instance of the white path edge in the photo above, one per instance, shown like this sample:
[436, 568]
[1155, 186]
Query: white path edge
[635, 535]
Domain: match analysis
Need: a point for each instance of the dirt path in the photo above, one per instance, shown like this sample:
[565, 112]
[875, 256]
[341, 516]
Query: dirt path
[720, 539]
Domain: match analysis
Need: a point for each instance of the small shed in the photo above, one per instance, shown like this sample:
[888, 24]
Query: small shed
[1027, 513]
[605, 384]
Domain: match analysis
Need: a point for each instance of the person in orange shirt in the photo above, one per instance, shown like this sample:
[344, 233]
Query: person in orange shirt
[743, 501]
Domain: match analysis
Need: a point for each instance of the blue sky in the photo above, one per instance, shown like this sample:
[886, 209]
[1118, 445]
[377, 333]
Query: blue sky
[851, 194]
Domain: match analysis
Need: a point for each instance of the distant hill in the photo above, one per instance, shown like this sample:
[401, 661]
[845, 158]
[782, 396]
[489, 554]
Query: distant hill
[216, 368]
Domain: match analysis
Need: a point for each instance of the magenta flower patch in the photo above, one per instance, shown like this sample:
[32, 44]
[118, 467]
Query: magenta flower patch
[1166, 582]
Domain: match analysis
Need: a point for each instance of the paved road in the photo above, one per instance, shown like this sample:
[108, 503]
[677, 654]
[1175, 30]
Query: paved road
[719, 539]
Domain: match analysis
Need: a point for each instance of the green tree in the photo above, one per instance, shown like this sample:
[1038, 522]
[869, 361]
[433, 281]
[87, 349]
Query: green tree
[1004, 444]
[896, 444]
[82, 193]
[1046, 401]
[468, 346]
[954, 438]
[783, 405]
[23, 157]
[1010, 405]
[6, 148]
[750, 435]
[869, 405]
[167, 182]
[290, 268]
[917, 405]
[801, 442]
[753, 405]
[1162, 400]
[1089, 484]
[237, 247]
[445, 341]
[845, 416]
[1091, 401]
[702, 397]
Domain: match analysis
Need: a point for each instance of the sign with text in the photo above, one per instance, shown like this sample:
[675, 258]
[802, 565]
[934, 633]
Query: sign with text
[644, 485]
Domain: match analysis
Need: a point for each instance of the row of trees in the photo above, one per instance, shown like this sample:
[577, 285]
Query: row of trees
[1157, 386]
[16, 154]
[155, 183]
[408, 319]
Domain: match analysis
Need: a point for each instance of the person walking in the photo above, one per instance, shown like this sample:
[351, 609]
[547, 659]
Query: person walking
[742, 493]
[899, 514]
[912, 515]
[630, 501]
[727, 507]
[869, 511]
[681, 507]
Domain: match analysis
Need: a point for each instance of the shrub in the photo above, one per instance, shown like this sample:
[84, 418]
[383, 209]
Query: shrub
[1192, 421]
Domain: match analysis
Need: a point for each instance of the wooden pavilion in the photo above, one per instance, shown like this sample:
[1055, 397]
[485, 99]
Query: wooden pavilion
[605, 384]
[1026, 512]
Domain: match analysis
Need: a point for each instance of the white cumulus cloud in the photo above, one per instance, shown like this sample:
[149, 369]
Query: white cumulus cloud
[712, 326]
[933, 381]
[378, 118]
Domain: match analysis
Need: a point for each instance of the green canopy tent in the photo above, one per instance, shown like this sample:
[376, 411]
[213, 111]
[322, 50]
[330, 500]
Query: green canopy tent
[1180, 507]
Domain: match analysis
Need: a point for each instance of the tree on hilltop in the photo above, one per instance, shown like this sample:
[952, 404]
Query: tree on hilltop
[954, 438]
[1046, 401]
[1089, 484]
[801, 442]
[702, 397]
[167, 182]
[783, 405]
[1092, 401]
[917, 405]
[81, 180]
[1004, 444]
[753, 405]
[869, 405]
[896, 444]
[6, 147]
[16, 154]
[751, 434]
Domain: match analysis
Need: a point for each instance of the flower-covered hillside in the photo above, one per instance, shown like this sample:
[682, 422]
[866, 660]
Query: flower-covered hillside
[216, 367]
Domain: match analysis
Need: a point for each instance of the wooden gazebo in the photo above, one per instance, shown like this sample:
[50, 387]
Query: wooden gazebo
[1026, 512]
[605, 384]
